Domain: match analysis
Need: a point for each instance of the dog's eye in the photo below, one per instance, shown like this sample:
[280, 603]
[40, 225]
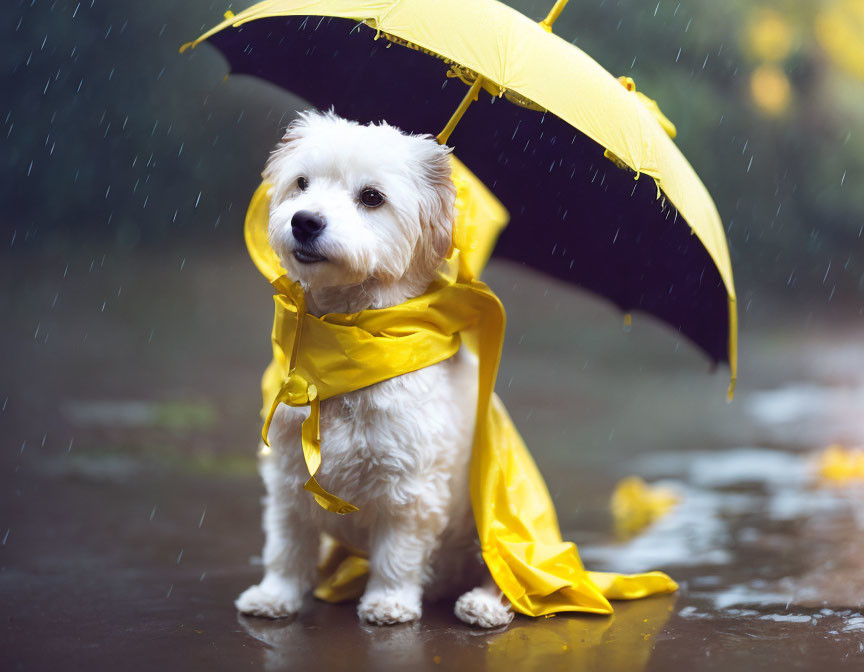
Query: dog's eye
[371, 198]
[302, 183]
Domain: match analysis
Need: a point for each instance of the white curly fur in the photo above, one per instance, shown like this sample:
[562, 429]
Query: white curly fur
[400, 449]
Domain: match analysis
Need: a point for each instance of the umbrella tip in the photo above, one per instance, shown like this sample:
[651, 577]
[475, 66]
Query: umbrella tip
[730, 393]
[552, 16]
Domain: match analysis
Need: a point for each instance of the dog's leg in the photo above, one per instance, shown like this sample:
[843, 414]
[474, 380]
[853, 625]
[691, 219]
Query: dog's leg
[290, 548]
[485, 606]
[398, 560]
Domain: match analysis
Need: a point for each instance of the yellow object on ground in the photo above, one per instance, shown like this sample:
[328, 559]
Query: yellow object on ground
[317, 358]
[635, 504]
[502, 51]
[841, 464]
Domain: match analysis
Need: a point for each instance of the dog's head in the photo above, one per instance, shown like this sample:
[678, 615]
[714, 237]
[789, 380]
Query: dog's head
[351, 203]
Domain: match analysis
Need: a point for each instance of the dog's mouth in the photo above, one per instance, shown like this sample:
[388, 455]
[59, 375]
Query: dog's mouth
[307, 256]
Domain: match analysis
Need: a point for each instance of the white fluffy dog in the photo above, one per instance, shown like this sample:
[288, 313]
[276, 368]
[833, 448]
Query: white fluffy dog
[362, 216]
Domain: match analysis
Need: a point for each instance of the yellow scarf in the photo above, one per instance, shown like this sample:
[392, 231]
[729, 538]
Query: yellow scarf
[318, 358]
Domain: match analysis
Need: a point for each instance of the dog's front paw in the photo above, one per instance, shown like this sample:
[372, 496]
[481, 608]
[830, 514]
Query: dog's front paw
[270, 599]
[387, 607]
[480, 607]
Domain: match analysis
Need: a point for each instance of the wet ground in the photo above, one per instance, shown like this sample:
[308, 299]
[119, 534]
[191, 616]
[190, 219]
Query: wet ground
[129, 502]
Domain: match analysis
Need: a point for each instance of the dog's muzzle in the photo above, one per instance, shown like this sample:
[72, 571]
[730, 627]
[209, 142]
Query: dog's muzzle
[307, 226]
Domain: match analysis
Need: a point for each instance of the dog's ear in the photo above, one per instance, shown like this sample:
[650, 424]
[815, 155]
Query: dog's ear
[437, 205]
[282, 150]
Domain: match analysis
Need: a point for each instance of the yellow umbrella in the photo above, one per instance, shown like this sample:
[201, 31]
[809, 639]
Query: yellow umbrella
[574, 215]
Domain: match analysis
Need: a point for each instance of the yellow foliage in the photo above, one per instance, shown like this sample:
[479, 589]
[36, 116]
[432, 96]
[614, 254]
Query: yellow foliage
[770, 89]
[769, 37]
[840, 32]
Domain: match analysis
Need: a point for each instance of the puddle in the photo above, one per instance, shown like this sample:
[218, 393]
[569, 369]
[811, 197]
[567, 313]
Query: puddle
[95, 468]
[172, 415]
[752, 594]
[757, 527]
[693, 534]
[742, 466]
[810, 413]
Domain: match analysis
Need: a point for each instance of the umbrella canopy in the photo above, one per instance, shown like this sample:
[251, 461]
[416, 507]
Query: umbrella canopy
[542, 142]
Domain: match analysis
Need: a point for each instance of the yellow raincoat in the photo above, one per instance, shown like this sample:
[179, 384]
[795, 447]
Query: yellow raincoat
[318, 358]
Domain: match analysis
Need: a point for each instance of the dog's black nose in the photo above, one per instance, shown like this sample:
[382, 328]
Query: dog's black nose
[307, 226]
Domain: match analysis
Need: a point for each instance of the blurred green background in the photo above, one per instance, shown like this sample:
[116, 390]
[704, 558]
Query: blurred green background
[112, 141]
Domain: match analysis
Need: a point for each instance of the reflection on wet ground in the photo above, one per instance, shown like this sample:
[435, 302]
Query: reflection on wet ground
[129, 500]
[624, 642]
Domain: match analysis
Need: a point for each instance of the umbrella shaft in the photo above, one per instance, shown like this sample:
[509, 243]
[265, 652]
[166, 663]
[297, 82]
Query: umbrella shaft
[469, 98]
